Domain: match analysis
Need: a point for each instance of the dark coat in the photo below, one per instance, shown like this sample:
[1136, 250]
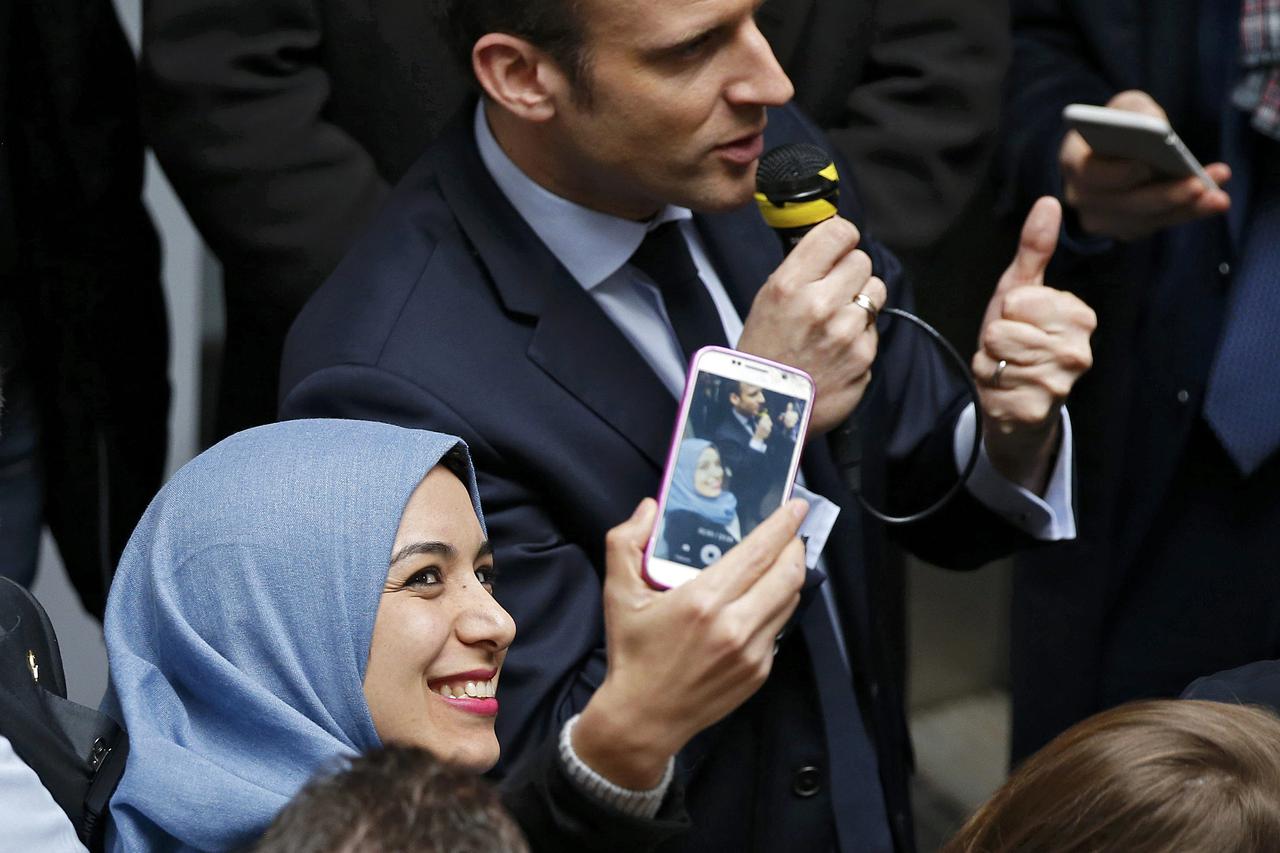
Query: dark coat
[1173, 575]
[450, 314]
[282, 135]
[80, 268]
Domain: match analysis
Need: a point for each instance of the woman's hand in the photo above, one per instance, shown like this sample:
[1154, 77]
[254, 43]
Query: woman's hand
[682, 659]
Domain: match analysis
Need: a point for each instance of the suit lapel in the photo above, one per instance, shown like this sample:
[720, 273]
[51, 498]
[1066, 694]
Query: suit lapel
[573, 341]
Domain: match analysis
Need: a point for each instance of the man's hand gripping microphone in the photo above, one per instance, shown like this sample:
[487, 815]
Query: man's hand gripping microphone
[798, 188]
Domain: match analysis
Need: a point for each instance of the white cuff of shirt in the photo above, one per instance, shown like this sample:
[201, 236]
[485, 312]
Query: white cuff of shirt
[758, 446]
[642, 804]
[817, 525]
[1050, 518]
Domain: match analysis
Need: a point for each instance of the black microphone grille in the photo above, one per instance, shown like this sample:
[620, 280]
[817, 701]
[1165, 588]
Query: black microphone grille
[796, 188]
[794, 160]
[791, 165]
[793, 172]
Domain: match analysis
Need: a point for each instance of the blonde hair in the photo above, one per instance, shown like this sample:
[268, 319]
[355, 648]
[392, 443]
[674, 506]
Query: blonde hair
[1168, 775]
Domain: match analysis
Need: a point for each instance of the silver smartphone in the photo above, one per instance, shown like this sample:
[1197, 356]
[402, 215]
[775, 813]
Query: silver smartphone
[1134, 136]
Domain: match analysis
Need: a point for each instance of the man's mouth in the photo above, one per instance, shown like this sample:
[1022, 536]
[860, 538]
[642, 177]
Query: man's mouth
[744, 149]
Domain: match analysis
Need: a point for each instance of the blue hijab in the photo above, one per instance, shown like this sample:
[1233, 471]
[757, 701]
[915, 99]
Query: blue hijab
[239, 624]
[683, 496]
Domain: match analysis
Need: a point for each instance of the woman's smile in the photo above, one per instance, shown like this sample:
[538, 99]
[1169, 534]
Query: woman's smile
[472, 692]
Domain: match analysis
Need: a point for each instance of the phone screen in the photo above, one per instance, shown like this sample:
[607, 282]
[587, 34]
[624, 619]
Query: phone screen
[734, 460]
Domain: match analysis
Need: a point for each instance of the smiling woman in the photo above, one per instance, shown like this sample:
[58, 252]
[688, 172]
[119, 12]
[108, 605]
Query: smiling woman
[256, 633]
[701, 522]
[440, 637]
[312, 590]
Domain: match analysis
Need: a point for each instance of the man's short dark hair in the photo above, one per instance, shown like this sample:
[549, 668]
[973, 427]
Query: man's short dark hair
[390, 800]
[555, 26]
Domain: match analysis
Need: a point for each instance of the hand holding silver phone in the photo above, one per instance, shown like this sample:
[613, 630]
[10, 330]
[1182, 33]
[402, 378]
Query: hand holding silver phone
[1128, 135]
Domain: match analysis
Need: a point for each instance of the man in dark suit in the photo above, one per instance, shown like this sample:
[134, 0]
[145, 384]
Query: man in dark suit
[755, 449]
[83, 343]
[283, 133]
[501, 295]
[1173, 575]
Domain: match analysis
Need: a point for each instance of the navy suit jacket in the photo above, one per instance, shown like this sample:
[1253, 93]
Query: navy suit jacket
[450, 314]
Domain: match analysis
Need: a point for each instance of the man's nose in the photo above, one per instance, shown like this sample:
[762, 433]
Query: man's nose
[763, 82]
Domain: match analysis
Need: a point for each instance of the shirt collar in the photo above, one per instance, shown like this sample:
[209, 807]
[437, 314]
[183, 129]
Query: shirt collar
[591, 245]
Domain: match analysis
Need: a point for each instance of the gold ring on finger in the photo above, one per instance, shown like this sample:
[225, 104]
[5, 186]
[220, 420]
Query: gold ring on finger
[998, 373]
[866, 304]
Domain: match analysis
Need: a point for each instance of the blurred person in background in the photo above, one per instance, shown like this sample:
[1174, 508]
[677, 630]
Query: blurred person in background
[83, 341]
[1173, 574]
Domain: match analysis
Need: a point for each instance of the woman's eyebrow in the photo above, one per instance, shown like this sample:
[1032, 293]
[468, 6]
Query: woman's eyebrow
[440, 549]
[485, 549]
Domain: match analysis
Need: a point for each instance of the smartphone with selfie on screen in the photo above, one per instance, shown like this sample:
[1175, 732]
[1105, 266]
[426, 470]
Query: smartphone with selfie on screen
[734, 455]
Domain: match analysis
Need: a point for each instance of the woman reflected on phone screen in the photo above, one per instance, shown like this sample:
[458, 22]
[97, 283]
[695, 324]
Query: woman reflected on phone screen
[701, 520]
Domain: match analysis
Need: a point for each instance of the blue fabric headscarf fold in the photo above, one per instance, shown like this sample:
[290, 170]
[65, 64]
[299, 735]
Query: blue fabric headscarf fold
[721, 509]
[239, 624]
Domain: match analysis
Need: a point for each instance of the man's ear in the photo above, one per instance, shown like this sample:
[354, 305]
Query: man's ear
[518, 76]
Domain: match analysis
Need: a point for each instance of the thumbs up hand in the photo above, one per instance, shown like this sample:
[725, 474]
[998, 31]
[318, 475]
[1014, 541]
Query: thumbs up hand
[1033, 346]
[790, 417]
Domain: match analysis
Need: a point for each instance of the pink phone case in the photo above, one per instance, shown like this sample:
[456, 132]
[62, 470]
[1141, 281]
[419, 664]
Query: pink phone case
[678, 430]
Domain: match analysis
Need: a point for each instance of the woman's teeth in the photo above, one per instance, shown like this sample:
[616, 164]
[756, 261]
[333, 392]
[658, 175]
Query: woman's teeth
[469, 690]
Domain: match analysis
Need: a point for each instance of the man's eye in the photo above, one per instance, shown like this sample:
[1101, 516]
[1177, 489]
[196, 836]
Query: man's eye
[424, 578]
[693, 47]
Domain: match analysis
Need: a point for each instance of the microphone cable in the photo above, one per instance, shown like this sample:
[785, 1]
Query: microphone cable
[797, 187]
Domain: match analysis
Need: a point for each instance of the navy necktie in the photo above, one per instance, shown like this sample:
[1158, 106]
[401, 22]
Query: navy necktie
[1242, 403]
[857, 797]
[664, 257]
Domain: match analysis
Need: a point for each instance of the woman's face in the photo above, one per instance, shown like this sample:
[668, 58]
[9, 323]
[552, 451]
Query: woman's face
[708, 474]
[440, 637]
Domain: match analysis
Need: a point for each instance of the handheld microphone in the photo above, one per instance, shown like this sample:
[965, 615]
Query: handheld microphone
[798, 187]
